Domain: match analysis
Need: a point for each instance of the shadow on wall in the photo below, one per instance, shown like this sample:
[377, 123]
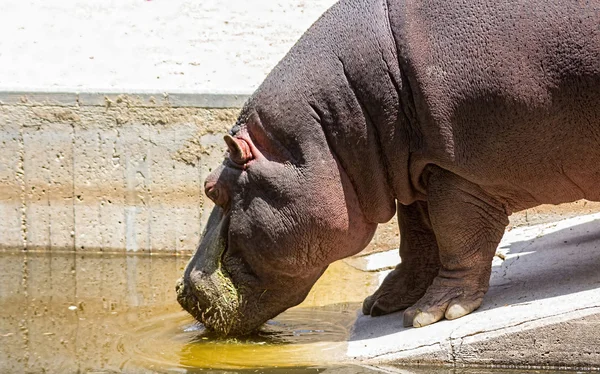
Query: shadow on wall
[560, 263]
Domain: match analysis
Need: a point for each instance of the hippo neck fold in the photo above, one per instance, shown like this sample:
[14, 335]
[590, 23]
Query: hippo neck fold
[340, 90]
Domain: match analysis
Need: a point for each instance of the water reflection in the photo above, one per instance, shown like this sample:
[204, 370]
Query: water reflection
[66, 312]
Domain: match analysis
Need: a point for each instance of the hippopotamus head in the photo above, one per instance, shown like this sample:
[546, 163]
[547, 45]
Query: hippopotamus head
[284, 210]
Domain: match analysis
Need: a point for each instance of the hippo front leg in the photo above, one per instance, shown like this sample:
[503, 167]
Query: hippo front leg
[420, 263]
[468, 225]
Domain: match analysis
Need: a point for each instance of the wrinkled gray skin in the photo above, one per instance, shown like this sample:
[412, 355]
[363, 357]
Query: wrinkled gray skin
[451, 114]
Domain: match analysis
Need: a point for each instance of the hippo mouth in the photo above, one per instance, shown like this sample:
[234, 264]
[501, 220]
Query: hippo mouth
[215, 303]
[235, 302]
[206, 291]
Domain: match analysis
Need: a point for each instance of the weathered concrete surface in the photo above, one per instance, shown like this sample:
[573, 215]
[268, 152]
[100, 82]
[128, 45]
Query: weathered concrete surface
[126, 175]
[543, 308]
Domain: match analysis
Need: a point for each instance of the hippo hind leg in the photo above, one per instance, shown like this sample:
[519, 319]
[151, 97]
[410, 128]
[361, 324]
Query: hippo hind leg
[420, 263]
[468, 225]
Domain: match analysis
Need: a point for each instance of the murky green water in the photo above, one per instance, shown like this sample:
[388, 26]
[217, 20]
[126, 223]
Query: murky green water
[66, 313]
[103, 313]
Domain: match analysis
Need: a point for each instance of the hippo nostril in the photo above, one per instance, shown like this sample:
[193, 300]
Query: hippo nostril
[213, 193]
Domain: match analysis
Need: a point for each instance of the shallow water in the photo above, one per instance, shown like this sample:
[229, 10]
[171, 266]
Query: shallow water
[65, 312]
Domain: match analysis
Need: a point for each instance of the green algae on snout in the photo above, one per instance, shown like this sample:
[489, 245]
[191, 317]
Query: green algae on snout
[221, 299]
[232, 293]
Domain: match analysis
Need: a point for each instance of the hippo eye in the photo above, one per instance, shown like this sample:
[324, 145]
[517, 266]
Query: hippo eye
[213, 193]
[216, 194]
[239, 150]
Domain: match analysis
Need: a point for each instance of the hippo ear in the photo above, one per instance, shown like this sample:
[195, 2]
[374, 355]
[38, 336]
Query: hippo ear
[239, 151]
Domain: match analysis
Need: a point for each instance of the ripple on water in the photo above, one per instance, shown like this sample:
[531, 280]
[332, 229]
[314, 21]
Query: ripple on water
[114, 313]
[298, 337]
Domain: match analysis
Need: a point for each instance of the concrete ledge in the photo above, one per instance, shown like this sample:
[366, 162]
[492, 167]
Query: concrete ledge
[138, 98]
[388, 235]
[542, 309]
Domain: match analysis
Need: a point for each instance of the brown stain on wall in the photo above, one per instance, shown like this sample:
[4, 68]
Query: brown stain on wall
[56, 114]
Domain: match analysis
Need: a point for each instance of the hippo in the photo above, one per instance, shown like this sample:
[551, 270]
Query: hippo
[450, 114]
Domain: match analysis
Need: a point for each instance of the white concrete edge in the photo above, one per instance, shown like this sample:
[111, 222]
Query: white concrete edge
[150, 98]
[385, 369]
[451, 335]
[383, 261]
[453, 343]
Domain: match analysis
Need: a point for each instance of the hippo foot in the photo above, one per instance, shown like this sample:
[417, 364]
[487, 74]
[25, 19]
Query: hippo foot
[399, 290]
[443, 299]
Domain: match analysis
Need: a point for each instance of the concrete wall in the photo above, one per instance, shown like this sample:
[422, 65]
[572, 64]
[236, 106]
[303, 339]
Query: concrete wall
[113, 172]
[106, 173]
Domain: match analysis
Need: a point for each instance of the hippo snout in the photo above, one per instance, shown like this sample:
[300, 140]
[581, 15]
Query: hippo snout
[179, 286]
[183, 292]
[211, 300]
[187, 299]
[206, 291]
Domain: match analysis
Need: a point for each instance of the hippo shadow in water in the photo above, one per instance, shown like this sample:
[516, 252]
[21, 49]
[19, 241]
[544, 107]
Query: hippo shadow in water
[563, 262]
